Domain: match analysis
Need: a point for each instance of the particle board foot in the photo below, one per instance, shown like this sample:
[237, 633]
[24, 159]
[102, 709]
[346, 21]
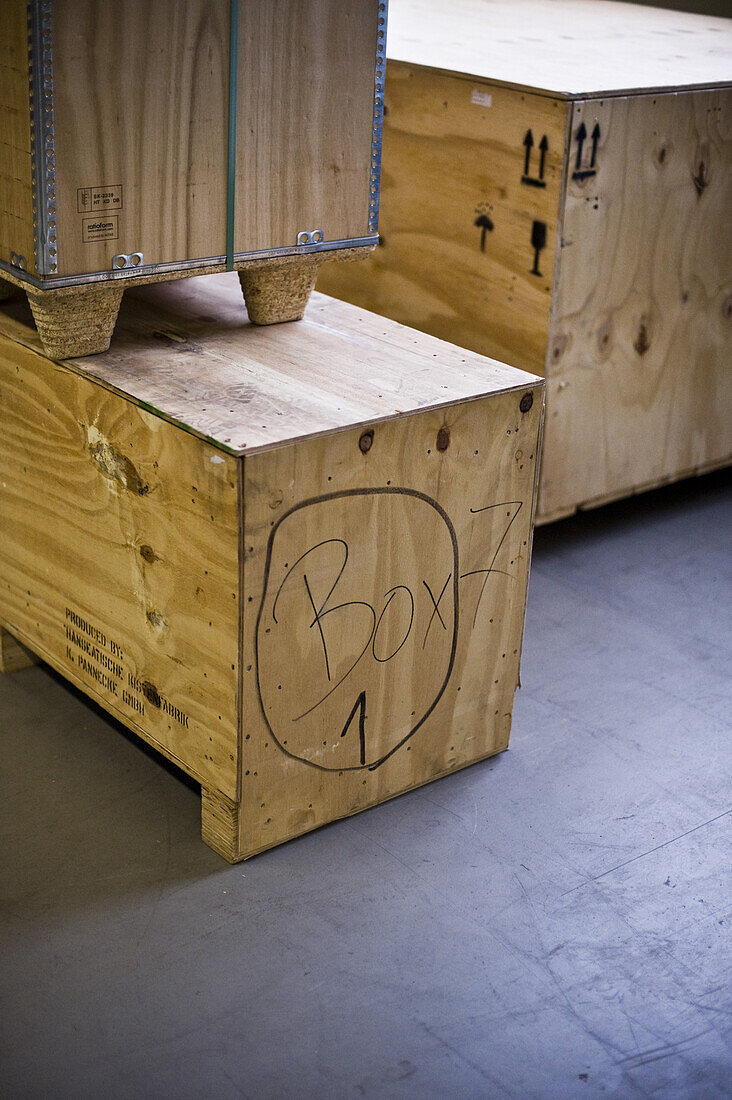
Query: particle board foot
[277, 290]
[220, 823]
[76, 321]
[7, 290]
[13, 655]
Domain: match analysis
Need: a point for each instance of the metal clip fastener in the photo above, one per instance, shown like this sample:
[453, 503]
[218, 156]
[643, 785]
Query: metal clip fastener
[311, 236]
[125, 259]
[16, 260]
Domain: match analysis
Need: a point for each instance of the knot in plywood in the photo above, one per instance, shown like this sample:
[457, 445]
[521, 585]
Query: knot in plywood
[115, 466]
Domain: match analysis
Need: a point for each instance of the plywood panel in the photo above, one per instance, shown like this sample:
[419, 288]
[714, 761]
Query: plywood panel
[416, 564]
[458, 221]
[119, 558]
[639, 385]
[304, 120]
[185, 350]
[565, 47]
[141, 100]
[16, 199]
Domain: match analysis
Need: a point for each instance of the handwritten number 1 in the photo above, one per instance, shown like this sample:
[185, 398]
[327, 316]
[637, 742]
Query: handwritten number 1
[360, 706]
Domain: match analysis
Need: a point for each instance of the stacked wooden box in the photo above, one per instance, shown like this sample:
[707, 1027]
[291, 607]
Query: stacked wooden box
[143, 142]
[294, 560]
[556, 193]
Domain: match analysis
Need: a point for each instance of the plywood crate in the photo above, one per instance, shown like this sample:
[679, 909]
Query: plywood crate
[148, 141]
[557, 185]
[295, 562]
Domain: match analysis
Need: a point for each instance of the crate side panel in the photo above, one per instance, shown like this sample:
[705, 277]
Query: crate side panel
[638, 387]
[16, 178]
[304, 120]
[140, 100]
[119, 558]
[385, 593]
[457, 257]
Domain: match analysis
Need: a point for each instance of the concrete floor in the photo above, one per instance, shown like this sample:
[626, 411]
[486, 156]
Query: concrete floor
[554, 922]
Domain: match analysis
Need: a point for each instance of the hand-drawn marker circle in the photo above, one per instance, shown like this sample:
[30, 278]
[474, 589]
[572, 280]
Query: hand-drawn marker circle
[357, 627]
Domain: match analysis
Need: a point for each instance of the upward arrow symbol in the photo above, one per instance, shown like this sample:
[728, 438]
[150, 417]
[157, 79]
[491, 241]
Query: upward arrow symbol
[528, 144]
[534, 181]
[595, 139]
[543, 146]
[581, 135]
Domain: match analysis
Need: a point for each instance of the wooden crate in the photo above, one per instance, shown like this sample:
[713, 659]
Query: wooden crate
[295, 562]
[148, 141]
[556, 194]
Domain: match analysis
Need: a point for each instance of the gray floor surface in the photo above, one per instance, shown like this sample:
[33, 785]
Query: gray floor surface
[554, 922]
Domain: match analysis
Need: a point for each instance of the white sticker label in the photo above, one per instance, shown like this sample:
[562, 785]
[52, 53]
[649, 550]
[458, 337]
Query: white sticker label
[483, 99]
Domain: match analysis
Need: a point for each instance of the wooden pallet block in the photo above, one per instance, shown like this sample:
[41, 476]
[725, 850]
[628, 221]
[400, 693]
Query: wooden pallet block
[13, 655]
[556, 194]
[294, 562]
[141, 143]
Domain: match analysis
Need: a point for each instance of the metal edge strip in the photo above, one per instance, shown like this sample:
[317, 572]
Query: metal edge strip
[378, 119]
[171, 268]
[231, 131]
[40, 68]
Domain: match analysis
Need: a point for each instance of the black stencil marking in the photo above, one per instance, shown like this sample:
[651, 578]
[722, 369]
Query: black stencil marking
[538, 243]
[538, 180]
[581, 173]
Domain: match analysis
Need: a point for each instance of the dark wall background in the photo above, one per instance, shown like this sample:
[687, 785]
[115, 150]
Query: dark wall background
[702, 7]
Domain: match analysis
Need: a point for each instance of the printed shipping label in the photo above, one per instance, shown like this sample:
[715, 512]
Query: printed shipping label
[100, 229]
[91, 200]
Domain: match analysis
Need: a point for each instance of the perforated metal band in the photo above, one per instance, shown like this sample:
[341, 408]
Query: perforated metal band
[40, 70]
[378, 122]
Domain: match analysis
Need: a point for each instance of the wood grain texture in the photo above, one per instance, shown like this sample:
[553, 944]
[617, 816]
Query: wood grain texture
[16, 192]
[565, 47]
[13, 655]
[186, 350]
[454, 156]
[413, 563]
[119, 558]
[141, 101]
[638, 377]
[304, 120]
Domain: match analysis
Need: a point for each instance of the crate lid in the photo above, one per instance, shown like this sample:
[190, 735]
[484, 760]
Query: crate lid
[568, 48]
[186, 351]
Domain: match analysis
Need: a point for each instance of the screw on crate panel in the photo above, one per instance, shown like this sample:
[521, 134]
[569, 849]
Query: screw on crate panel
[366, 440]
